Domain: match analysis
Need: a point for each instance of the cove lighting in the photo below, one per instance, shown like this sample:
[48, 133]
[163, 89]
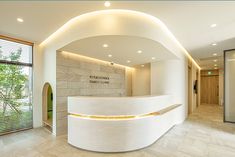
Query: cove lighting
[107, 4]
[93, 59]
[20, 20]
[160, 24]
[105, 45]
[213, 25]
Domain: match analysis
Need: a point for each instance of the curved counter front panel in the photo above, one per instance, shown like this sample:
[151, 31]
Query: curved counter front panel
[119, 124]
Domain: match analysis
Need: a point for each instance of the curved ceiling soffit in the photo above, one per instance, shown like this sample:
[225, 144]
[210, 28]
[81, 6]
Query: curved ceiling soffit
[115, 22]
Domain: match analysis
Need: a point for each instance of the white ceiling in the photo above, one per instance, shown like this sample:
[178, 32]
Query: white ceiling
[188, 21]
[120, 51]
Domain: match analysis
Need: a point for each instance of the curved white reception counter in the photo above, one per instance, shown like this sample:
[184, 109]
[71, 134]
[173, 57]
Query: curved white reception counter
[118, 124]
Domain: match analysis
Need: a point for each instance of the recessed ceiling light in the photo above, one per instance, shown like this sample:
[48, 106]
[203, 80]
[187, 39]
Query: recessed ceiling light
[214, 54]
[20, 20]
[139, 51]
[153, 58]
[213, 25]
[214, 44]
[110, 55]
[105, 45]
[215, 60]
[128, 61]
[215, 65]
[107, 4]
[142, 65]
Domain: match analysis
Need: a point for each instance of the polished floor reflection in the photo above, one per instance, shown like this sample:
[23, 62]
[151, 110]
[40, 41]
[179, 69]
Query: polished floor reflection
[202, 134]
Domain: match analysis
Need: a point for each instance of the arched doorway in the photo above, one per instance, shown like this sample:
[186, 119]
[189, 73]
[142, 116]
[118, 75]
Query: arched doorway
[47, 106]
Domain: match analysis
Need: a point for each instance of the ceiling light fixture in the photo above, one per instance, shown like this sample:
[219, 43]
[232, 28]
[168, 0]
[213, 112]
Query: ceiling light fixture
[109, 55]
[215, 65]
[213, 25]
[128, 61]
[139, 51]
[215, 60]
[142, 65]
[214, 54]
[214, 44]
[107, 4]
[20, 20]
[153, 58]
[105, 45]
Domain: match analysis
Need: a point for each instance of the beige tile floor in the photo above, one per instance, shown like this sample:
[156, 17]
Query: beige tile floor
[203, 134]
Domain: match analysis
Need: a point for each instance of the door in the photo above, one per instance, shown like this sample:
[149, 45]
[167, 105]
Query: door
[210, 89]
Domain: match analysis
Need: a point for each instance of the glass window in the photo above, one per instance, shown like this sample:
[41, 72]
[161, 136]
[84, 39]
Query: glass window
[229, 108]
[15, 86]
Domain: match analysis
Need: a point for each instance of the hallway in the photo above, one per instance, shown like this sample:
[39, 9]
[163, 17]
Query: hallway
[202, 134]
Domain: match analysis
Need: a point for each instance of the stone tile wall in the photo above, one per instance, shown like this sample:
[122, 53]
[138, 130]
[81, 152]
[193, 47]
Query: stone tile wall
[73, 79]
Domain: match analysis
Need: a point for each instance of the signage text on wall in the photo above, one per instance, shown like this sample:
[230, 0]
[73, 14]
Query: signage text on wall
[99, 79]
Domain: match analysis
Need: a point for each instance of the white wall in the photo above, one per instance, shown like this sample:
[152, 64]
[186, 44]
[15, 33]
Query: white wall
[49, 76]
[37, 86]
[170, 77]
[141, 80]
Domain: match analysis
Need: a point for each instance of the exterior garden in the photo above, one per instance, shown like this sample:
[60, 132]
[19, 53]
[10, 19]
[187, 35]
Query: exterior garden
[15, 93]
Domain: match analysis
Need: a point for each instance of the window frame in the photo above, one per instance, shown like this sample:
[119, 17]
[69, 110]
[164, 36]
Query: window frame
[20, 42]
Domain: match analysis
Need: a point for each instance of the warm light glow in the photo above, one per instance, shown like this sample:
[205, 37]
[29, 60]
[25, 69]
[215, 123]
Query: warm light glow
[107, 4]
[142, 65]
[128, 61]
[231, 60]
[94, 59]
[105, 45]
[215, 65]
[153, 58]
[213, 25]
[215, 60]
[215, 68]
[214, 54]
[214, 44]
[20, 20]
[126, 117]
[68, 24]
[139, 51]
[109, 56]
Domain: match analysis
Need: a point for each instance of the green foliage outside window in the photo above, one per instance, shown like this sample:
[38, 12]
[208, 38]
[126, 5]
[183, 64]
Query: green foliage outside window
[14, 94]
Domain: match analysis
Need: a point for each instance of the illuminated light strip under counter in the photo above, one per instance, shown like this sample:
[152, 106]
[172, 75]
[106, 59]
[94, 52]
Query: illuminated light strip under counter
[126, 117]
